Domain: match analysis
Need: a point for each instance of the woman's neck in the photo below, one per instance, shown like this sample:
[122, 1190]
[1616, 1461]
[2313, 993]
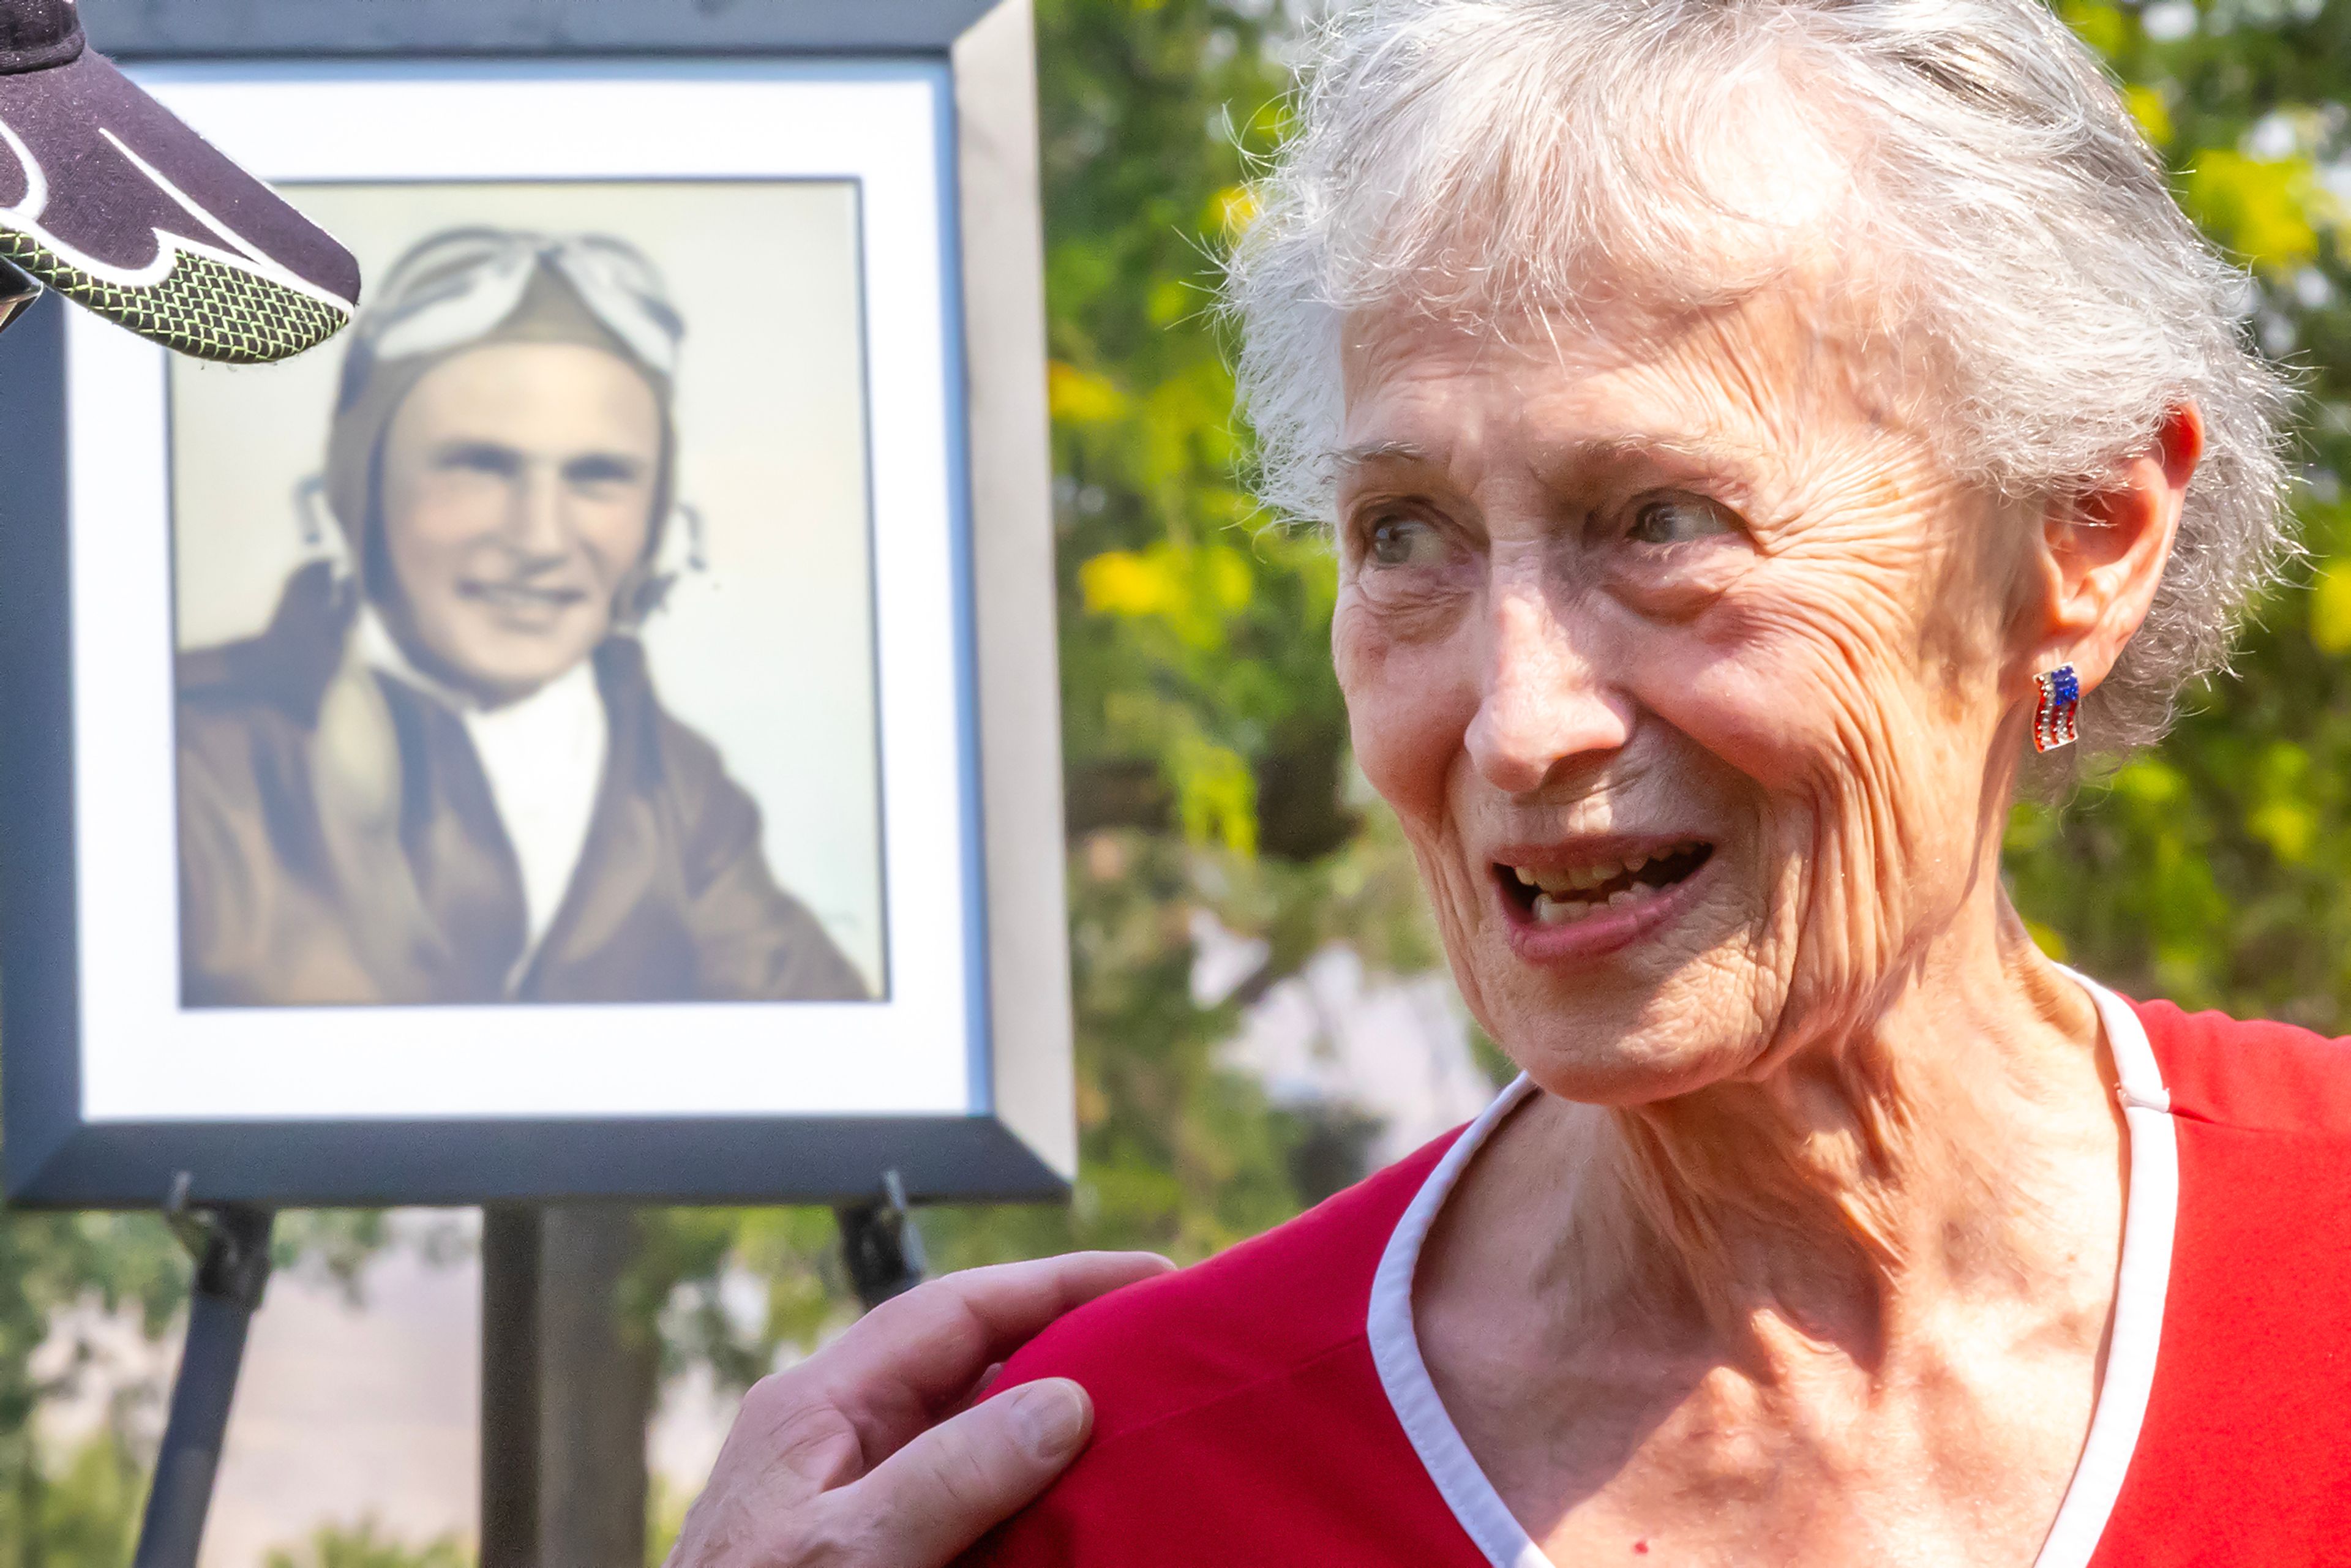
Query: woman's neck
[1850, 1195]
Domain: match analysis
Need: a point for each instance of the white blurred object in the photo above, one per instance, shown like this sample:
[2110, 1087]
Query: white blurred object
[1336, 1037]
[1222, 962]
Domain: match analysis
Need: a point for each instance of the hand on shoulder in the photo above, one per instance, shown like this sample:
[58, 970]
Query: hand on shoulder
[838, 1460]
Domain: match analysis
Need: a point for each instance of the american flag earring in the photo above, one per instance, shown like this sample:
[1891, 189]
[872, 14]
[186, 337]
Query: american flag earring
[2061, 699]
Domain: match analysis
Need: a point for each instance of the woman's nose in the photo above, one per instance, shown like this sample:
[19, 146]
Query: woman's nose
[1544, 702]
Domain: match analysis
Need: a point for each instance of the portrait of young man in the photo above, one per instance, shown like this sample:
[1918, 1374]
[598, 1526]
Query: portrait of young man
[444, 771]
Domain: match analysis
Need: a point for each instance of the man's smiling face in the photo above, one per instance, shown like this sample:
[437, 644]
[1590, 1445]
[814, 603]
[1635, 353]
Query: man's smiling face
[518, 486]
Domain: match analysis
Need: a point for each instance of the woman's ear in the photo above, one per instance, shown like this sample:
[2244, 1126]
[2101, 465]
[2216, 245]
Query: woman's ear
[2102, 555]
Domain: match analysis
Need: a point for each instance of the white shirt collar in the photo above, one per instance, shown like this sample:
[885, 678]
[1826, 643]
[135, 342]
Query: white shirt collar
[544, 758]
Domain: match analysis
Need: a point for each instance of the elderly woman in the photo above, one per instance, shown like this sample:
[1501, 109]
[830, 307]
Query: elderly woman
[443, 774]
[1752, 428]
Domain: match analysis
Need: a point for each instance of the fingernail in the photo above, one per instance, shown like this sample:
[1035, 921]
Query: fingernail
[1049, 1418]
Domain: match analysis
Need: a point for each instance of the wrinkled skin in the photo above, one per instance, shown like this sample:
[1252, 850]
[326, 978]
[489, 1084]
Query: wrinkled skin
[1806, 671]
[518, 492]
[1808, 1252]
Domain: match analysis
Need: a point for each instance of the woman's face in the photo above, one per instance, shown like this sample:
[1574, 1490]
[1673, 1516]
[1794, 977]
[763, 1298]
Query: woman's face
[1684, 665]
[518, 484]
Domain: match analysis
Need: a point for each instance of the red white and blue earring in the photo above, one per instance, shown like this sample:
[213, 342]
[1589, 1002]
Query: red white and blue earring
[2054, 721]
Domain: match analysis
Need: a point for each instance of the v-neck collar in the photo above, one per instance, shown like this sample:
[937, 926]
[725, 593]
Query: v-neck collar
[2150, 1211]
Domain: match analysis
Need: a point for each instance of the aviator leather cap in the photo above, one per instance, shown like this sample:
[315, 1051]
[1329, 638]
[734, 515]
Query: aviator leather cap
[107, 198]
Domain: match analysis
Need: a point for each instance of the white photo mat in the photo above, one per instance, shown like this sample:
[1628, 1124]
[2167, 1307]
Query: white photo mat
[886, 125]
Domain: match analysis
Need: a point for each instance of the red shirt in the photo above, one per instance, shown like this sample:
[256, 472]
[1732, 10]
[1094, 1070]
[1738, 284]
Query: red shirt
[1271, 1406]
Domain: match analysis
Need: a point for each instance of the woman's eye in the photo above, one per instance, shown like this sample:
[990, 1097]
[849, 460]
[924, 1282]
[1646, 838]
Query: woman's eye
[1678, 520]
[1400, 541]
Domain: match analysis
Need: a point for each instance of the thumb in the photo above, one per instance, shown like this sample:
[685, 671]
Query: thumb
[948, 1488]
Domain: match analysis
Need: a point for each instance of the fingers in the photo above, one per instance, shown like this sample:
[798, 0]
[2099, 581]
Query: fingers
[894, 1369]
[934, 1497]
[787, 1489]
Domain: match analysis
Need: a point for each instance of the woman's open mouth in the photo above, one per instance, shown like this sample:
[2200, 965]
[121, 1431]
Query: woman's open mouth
[1564, 906]
[1563, 896]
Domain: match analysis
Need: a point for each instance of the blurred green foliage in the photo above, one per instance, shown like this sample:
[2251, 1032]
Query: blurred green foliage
[364, 1546]
[1206, 745]
[79, 1510]
[59, 1272]
[2216, 870]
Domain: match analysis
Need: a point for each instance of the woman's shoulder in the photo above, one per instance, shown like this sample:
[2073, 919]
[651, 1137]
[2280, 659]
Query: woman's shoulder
[2236, 1260]
[1244, 1317]
[2249, 1074]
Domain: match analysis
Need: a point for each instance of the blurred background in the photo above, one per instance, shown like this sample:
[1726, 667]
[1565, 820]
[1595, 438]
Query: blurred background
[1261, 1008]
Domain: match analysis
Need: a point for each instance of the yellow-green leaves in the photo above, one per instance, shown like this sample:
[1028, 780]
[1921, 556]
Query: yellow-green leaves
[1171, 299]
[2330, 608]
[1215, 795]
[2047, 939]
[1231, 211]
[2270, 210]
[1191, 589]
[1080, 397]
[2153, 112]
[2102, 28]
[2282, 813]
[2149, 782]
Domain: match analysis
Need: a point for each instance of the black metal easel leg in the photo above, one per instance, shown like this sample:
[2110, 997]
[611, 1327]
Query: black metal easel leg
[232, 1270]
[511, 1248]
[879, 1242]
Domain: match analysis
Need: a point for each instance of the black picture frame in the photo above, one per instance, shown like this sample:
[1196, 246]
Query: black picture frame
[1018, 1142]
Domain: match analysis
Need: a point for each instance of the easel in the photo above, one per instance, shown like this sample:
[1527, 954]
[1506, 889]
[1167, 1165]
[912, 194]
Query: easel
[879, 1242]
[231, 1246]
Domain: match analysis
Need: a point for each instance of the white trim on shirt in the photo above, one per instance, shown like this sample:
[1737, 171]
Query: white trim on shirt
[2150, 1212]
[2150, 1209]
[1396, 1351]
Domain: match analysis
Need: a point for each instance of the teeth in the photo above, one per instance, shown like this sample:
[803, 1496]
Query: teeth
[1583, 879]
[1558, 888]
[1552, 910]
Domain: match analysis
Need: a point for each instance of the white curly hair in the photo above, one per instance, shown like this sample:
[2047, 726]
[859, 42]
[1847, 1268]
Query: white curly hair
[2051, 303]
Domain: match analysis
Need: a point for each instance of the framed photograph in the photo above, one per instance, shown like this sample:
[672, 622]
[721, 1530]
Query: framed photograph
[591, 729]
